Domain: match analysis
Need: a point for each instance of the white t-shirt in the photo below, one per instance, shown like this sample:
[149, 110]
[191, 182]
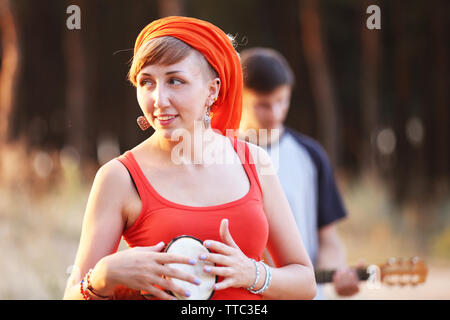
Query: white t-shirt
[308, 182]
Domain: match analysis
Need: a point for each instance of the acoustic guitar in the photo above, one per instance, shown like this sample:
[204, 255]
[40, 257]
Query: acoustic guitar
[401, 272]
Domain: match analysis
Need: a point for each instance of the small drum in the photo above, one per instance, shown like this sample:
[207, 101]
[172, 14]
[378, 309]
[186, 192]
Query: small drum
[192, 248]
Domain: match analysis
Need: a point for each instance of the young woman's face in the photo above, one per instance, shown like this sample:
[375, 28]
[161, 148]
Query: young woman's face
[174, 96]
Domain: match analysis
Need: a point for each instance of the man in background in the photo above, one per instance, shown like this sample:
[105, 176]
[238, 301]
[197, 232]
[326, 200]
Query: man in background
[302, 164]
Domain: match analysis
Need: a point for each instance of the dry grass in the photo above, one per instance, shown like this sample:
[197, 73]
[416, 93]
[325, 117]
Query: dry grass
[39, 230]
[40, 223]
[377, 229]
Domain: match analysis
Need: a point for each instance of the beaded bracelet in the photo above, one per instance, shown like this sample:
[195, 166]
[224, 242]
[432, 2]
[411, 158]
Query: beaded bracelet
[266, 282]
[89, 289]
[257, 275]
[83, 291]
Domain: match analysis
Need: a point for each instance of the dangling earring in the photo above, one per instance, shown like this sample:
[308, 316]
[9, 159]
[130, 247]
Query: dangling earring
[143, 123]
[207, 119]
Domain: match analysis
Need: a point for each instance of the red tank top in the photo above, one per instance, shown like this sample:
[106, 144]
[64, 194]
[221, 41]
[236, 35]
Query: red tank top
[163, 220]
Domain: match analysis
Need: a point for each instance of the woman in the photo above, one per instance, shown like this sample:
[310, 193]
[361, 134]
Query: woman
[187, 72]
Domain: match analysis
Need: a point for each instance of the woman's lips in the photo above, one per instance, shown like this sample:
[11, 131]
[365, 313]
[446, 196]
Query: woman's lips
[165, 121]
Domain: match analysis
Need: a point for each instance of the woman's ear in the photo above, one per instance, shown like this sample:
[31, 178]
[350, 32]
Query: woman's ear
[214, 89]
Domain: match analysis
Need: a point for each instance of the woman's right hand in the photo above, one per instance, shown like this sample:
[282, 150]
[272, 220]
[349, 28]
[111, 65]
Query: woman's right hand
[141, 268]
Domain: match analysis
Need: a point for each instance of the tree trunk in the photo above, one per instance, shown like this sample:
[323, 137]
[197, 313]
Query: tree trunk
[370, 66]
[170, 8]
[402, 87]
[440, 101]
[8, 78]
[76, 100]
[319, 73]
[8, 68]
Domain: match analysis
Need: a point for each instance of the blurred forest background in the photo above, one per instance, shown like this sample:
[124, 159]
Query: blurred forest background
[378, 100]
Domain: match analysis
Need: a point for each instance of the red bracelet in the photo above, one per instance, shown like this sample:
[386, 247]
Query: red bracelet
[85, 291]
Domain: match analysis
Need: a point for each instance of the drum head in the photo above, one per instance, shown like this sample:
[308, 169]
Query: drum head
[192, 247]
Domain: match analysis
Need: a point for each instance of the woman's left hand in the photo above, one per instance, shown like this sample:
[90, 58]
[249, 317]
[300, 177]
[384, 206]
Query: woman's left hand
[236, 268]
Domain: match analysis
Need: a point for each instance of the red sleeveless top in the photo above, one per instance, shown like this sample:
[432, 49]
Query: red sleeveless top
[163, 220]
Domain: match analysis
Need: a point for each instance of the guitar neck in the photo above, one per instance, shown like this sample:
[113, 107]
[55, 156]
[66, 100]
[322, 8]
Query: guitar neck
[325, 276]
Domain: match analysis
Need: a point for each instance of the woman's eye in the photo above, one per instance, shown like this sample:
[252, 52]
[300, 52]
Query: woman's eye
[175, 81]
[146, 83]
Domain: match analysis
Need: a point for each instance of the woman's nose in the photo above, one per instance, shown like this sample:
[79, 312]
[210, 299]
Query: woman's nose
[160, 96]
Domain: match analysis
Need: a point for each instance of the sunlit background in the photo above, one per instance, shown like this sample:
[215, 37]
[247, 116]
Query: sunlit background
[377, 100]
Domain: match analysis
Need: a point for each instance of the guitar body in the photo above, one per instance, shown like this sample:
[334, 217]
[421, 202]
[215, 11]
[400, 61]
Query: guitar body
[400, 272]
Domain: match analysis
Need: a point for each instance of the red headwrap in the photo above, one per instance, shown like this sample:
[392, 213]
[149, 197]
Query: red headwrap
[217, 48]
